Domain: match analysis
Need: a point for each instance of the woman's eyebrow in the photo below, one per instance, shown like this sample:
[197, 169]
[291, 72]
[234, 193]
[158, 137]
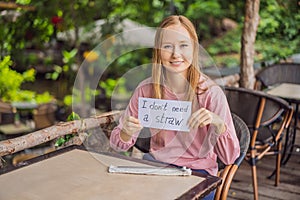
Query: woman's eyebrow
[185, 41]
[166, 43]
[171, 42]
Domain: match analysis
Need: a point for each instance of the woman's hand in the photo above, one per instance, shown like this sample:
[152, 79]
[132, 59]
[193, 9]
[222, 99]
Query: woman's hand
[131, 125]
[204, 117]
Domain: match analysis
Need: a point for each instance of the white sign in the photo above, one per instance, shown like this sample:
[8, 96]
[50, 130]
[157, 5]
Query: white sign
[164, 114]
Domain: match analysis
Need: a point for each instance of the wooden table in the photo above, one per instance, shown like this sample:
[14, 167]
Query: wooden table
[79, 174]
[291, 93]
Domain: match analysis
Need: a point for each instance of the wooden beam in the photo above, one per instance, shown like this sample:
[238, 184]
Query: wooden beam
[12, 5]
[17, 144]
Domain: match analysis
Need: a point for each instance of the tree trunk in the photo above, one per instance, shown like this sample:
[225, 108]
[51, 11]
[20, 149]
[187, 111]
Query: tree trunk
[248, 40]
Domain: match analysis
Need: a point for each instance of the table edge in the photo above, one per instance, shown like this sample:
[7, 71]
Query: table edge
[212, 181]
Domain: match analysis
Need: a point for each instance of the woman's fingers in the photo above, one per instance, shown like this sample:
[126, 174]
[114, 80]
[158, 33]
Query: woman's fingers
[133, 120]
[131, 125]
[200, 118]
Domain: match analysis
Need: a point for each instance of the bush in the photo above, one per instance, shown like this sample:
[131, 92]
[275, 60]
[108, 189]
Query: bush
[10, 88]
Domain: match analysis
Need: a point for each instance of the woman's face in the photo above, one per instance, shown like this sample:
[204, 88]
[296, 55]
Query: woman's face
[176, 49]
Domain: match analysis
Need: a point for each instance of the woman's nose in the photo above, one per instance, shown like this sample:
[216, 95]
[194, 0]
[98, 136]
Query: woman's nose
[176, 52]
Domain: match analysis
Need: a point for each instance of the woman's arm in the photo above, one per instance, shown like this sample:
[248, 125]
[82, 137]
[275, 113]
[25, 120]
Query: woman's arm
[227, 147]
[125, 134]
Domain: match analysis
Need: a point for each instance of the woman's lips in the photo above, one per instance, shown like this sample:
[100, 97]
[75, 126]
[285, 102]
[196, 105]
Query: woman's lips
[176, 63]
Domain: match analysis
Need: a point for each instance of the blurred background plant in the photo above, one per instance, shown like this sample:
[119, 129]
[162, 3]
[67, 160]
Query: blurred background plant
[11, 82]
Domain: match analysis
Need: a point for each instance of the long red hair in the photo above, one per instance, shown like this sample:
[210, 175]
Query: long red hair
[193, 74]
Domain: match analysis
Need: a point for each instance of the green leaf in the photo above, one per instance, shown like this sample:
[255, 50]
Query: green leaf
[60, 141]
[73, 116]
[23, 2]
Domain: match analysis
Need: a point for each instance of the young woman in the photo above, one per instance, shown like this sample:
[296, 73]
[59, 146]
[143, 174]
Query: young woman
[176, 76]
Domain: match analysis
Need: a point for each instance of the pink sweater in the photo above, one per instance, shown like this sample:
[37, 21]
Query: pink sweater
[197, 149]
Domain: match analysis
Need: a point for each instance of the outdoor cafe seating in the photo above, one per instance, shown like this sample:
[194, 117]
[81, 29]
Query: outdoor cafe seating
[283, 80]
[276, 74]
[267, 118]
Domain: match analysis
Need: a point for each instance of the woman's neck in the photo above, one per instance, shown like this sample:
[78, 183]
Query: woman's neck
[176, 82]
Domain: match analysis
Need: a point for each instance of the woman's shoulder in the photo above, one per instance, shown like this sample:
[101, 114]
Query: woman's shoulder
[145, 83]
[144, 88]
[209, 85]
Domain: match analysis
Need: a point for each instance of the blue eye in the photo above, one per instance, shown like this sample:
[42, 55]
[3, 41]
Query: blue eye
[167, 46]
[184, 45]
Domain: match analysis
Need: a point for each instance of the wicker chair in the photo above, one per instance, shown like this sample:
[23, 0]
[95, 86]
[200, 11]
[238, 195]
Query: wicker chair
[277, 73]
[267, 118]
[227, 172]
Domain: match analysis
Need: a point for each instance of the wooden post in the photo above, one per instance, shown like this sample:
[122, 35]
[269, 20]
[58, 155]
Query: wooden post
[251, 22]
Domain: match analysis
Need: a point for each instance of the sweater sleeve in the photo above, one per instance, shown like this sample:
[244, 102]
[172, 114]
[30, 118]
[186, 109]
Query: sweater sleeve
[115, 139]
[227, 145]
[132, 110]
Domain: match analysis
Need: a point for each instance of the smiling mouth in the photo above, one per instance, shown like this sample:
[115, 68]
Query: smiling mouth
[176, 63]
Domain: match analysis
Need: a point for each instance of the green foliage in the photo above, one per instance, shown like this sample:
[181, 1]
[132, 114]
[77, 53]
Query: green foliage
[76, 97]
[127, 61]
[69, 56]
[73, 116]
[45, 97]
[202, 9]
[228, 43]
[278, 35]
[68, 60]
[279, 26]
[34, 29]
[23, 2]
[26, 29]
[10, 88]
[67, 100]
[117, 86]
[54, 75]
[60, 141]
[227, 60]
[199, 12]
[224, 50]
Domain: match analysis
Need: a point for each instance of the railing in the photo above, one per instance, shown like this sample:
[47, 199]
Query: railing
[105, 121]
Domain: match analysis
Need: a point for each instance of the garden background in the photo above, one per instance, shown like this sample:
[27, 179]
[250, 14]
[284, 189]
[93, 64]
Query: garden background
[43, 43]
